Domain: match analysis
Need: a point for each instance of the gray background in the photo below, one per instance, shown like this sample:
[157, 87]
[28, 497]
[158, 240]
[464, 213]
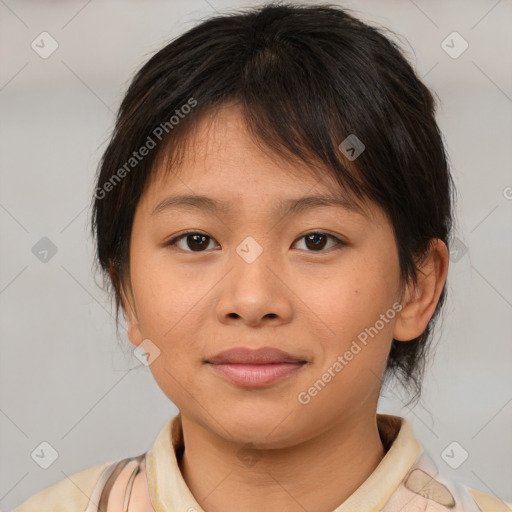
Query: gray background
[66, 379]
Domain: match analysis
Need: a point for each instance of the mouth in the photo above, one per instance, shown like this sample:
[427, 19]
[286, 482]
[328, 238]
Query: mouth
[254, 368]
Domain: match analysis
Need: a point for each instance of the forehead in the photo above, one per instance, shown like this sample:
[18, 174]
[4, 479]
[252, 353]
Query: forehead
[220, 141]
[220, 159]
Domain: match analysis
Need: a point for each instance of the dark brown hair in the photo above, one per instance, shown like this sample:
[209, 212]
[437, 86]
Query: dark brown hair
[305, 78]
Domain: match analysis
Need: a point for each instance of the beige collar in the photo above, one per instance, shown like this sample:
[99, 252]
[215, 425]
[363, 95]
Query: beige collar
[169, 492]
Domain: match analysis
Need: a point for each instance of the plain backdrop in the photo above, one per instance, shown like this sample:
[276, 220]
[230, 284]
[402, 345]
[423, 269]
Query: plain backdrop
[66, 379]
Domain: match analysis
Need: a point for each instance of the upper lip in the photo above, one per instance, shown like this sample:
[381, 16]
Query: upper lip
[264, 355]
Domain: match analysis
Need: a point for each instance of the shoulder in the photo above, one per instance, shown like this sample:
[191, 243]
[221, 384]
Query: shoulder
[83, 491]
[488, 502]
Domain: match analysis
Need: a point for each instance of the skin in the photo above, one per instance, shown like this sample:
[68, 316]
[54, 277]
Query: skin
[309, 302]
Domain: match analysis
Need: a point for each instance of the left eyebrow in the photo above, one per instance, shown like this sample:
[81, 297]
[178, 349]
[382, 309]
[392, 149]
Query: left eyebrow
[284, 208]
[301, 204]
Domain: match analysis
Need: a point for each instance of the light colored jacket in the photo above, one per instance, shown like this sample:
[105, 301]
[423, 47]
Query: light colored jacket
[405, 480]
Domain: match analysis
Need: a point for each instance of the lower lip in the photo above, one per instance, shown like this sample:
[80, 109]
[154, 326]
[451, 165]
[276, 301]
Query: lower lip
[256, 375]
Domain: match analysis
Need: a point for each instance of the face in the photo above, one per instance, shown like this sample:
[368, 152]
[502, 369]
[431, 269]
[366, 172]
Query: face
[318, 282]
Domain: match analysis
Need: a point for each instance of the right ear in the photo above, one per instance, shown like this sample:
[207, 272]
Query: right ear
[128, 307]
[130, 315]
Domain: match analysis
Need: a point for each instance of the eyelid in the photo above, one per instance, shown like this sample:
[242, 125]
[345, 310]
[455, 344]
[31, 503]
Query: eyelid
[339, 242]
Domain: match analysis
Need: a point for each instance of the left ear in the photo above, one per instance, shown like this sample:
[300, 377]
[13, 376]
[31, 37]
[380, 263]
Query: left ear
[420, 301]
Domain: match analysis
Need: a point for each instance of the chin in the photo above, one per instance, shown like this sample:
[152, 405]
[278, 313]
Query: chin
[262, 427]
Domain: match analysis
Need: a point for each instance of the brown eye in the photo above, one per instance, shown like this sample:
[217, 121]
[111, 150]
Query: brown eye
[317, 241]
[193, 242]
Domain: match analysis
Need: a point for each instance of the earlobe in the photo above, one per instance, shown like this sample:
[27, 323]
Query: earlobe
[130, 315]
[420, 301]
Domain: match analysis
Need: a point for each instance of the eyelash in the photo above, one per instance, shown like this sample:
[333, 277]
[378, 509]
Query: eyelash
[173, 241]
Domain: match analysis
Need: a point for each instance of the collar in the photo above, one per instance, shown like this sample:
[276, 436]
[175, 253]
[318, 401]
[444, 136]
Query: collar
[169, 492]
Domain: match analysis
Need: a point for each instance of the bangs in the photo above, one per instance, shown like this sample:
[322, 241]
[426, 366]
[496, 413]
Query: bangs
[282, 143]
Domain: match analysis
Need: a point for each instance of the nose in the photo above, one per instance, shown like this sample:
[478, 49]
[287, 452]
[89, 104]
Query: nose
[255, 291]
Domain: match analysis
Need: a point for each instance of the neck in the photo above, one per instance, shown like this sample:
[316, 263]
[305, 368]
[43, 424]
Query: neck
[318, 474]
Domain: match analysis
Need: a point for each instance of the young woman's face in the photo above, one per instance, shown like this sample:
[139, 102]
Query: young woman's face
[253, 275]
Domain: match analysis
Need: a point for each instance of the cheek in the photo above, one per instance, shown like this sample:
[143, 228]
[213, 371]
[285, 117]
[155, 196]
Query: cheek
[168, 305]
[164, 295]
[168, 310]
[354, 296]
[351, 303]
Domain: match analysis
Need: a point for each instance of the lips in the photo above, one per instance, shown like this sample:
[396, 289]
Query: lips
[254, 368]
[265, 355]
